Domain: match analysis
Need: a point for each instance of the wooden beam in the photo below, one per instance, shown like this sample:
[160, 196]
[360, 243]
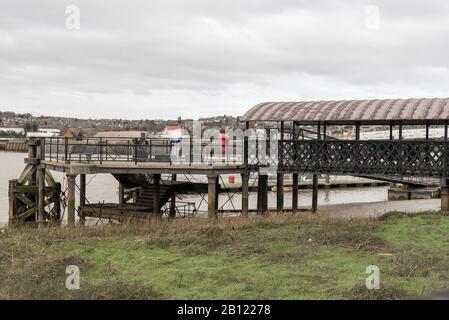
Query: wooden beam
[245, 194]
[156, 194]
[71, 200]
[280, 192]
[262, 194]
[295, 192]
[12, 200]
[315, 193]
[82, 189]
[173, 198]
[41, 197]
[211, 196]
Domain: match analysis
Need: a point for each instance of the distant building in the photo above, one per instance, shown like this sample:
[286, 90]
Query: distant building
[172, 132]
[43, 133]
[121, 134]
[72, 133]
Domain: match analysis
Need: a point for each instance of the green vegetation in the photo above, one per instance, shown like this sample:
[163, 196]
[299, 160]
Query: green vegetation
[276, 257]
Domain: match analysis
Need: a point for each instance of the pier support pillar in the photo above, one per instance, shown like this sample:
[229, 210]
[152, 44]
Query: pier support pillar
[445, 195]
[295, 192]
[156, 183]
[315, 193]
[71, 180]
[245, 194]
[262, 194]
[121, 193]
[12, 201]
[40, 197]
[212, 196]
[173, 198]
[280, 192]
[82, 190]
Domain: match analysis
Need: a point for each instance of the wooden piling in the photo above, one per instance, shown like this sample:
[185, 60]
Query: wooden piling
[445, 195]
[295, 192]
[156, 182]
[12, 200]
[211, 196]
[280, 192]
[245, 194]
[315, 193]
[121, 194]
[82, 190]
[41, 197]
[262, 194]
[71, 200]
[173, 198]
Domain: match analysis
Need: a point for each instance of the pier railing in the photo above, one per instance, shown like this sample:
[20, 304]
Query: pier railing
[398, 157]
[187, 151]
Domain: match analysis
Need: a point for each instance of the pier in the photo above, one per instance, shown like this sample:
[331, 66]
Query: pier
[295, 141]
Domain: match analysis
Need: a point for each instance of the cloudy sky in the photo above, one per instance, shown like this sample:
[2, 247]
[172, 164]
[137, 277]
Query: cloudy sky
[192, 58]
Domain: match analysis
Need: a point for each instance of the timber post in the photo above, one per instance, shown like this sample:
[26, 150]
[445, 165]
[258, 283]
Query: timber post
[71, 180]
[315, 193]
[280, 192]
[445, 195]
[211, 196]
[121, 193]
[295, 192]
[41, 197]
[12, 201]
[156, 194]
[262, 194]
[245, 194]
[82, 190]
[173, 198]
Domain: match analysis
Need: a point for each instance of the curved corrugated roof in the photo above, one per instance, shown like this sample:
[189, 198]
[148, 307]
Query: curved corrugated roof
[351, 110]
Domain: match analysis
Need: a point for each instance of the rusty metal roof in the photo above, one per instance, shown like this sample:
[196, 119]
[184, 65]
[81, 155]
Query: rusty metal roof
[351, 110]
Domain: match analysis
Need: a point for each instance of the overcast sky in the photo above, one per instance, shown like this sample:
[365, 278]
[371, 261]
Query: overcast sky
[193, 58]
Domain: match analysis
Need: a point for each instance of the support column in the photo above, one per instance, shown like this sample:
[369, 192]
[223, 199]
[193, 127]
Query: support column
[211, 196]
[262, 194]
[156, 193]
[280, 192]
[12, 200]
[445, 195]
[121, 194]
[173, 198]
[40, 197]
[71, 200]
[82, 190]
[315, 193]
[57, 203]
[245, 194]
[217, 192]
[295, 192]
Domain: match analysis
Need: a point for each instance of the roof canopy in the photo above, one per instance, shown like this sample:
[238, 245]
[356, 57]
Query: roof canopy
[350, 111]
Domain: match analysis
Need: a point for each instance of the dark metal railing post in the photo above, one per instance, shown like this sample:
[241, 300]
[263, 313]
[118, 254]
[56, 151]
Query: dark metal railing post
[66, 149]
[191, 149]
[57, 149]
[245, 151]
[101, 150]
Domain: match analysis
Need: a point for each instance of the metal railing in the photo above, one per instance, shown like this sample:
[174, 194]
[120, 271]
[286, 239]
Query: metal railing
[427, 158]
[186, 150]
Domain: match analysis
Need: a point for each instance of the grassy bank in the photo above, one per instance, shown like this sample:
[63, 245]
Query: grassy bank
[278, 257]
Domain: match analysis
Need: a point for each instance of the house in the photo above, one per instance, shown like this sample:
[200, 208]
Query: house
[72, 133]
[122, 134]
[172, 132]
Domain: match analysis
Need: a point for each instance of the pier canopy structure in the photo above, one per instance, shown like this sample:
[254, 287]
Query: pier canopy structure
[307, 146]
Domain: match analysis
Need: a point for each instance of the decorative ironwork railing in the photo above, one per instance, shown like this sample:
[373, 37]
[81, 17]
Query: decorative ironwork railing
[408, 158]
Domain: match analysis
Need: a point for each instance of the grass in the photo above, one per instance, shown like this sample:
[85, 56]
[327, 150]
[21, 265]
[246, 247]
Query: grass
[276, 257]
